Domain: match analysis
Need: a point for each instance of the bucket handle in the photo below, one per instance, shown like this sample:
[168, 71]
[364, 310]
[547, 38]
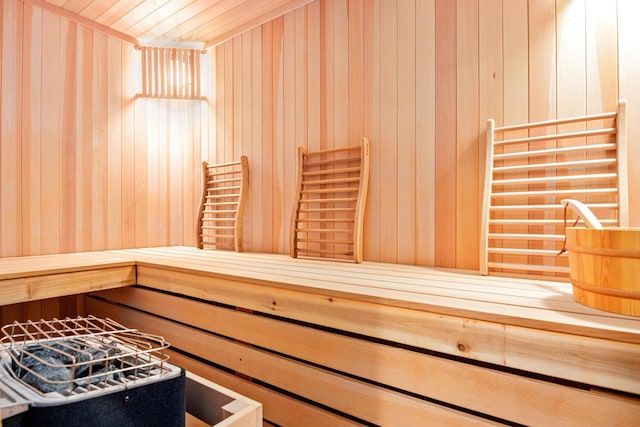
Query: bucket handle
[583, 212]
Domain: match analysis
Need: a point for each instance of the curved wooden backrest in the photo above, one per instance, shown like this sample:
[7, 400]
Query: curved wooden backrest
[224, 193]
[530, 169]
[328, 212]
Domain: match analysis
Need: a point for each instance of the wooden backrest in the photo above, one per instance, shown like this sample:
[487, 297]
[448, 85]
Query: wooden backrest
[328, 210]
[224, 192]
[530, 169]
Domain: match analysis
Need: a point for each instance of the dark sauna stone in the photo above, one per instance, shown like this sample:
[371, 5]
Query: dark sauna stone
[57, 375]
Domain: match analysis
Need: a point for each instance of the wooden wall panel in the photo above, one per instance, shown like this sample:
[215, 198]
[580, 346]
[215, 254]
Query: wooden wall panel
[425, 132]
[85, 165]
[445, 137]
[31, 215]
[467, 134]
[628, 66]
[425, 94]
[10, 128]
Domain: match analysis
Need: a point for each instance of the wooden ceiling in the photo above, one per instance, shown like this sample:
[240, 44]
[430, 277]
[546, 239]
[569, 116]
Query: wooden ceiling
[181, 23]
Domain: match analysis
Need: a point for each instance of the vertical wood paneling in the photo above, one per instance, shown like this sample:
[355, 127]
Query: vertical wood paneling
[84, 165]
[99, 124]
[424, 110]
[75, 147]
[406, 137]
[467, 131]
[446, 98]
[50, 134]
[601, 56]
[254, 210]
[247, 119]
[425, 132]
[141, 205]
[128, 164]
[10, 126]
[84, 107]
[312, 54]
[355, 70]
[372, 220]
[340, 74]
[114, 140]
[68, 142]
[388, 131]
[265, 161]
[289, 124]
[327, 60]
[628, 36]
[31, 125]
[280, 217]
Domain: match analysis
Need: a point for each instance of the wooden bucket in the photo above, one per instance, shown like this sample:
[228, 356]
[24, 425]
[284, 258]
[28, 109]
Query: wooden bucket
[605, 268]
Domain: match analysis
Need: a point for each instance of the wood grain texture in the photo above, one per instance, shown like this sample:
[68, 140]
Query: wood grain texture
[445, 137]
[536, 328]
[403, 369]
[628, 63]
[85, 151]
[100, 169]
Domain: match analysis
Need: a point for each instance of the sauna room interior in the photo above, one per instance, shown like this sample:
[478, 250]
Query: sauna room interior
[108, 109]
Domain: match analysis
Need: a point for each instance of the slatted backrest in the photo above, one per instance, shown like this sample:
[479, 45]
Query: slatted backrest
[328, 211]
[221, 211]
[530, 169]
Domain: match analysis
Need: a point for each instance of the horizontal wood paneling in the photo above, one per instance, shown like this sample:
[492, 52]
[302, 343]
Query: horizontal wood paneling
[256, 295]
[84, 165]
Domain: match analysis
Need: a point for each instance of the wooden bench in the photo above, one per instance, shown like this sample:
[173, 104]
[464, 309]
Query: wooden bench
[332, 343]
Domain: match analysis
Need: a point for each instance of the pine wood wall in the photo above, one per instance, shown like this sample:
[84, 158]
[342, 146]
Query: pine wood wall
[86, 166]
[419, 78]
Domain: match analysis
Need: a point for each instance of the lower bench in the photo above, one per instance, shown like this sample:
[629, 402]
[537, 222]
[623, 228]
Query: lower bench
[306, 373]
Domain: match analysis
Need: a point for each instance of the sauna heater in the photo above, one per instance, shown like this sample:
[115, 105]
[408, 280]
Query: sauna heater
[87, 371]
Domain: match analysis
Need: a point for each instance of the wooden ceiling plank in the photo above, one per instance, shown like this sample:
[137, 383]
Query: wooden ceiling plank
[117, 11]
[58, 3]
[74, 6]
[167, 16]
[139, 13]
[82, 20]
[221, 23]
[176, 32]
[97, 8]
[158, 22]
[220, 36]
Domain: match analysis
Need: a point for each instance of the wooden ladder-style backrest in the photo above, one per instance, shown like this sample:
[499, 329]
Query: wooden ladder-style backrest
[224, 193]
[530, 169]
[328, 211]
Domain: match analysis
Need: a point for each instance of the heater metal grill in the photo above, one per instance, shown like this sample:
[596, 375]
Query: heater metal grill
[77, 355]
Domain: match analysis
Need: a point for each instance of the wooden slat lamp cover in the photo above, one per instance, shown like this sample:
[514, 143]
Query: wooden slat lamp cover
[328, 212]
[172, 73]
[222, 205]
[530, 169]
